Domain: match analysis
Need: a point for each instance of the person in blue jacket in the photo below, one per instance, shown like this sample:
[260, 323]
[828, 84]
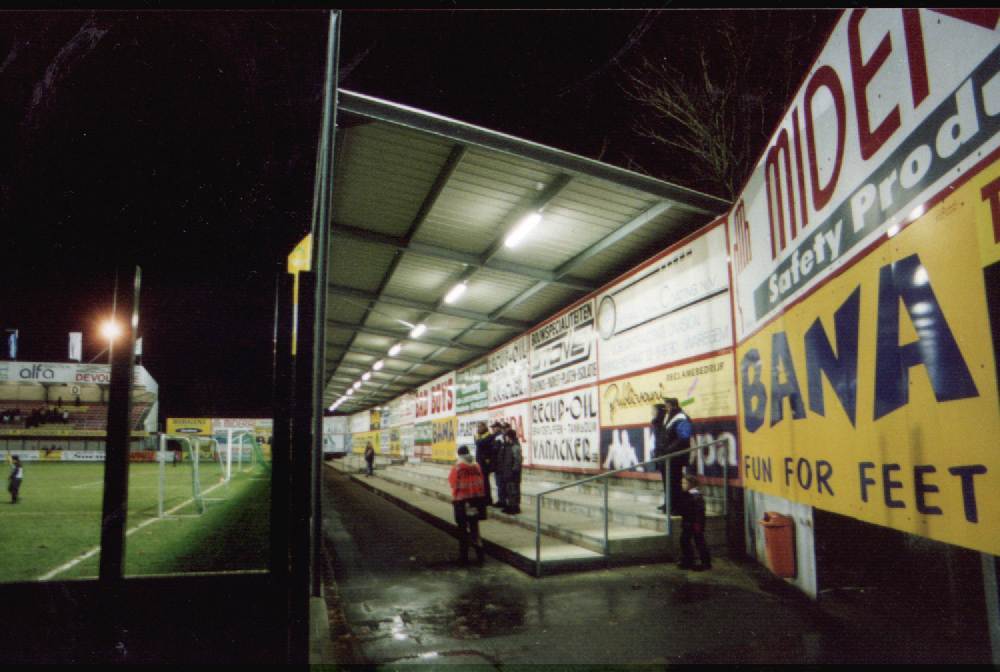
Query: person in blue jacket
[678, 438]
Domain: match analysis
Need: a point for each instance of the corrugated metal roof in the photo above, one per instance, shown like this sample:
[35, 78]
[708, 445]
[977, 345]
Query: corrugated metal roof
[422, 202]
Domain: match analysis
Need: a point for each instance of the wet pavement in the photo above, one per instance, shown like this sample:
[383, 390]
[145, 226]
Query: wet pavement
[397, 595]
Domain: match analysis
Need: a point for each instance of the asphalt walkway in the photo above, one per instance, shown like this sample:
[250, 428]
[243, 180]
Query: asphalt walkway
[396, 595]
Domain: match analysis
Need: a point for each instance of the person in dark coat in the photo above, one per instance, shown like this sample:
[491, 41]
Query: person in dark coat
[499, 445]
[370, 458]
[509, 461]
[486, 456]
[678, 438]
[691, 506]
[660, 446]
[16, 476]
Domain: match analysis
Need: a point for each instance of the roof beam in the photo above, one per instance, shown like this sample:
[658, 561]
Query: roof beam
[457, 131]
[440, 343]
[438, 252]
[436, 309]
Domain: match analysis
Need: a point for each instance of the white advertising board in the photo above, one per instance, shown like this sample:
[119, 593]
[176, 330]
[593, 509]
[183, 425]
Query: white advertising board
[467, 424]
[564, 351]
[360, 422]
[403, 410]
[565, 431]
[436, 399]
[508, 373]
[674, 308]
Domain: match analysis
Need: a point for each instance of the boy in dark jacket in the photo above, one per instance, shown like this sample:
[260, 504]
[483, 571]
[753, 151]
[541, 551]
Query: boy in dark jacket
[692, 509]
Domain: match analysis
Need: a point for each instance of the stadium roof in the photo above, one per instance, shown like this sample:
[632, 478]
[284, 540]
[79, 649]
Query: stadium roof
[422, 203]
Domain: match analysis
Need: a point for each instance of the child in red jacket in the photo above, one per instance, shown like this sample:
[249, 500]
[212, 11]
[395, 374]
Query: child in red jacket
[468, 500]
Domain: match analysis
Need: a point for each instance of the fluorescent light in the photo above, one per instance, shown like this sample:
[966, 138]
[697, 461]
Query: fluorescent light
[357, 384]
[456, 292]
[366, 375]
[350, 392]
[418, 330]
[377, 365]
[394, 350]
[515, 237]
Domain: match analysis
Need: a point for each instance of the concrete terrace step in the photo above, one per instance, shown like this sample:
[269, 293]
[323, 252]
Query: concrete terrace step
[574, 518]
[636, 531]
[512, 544]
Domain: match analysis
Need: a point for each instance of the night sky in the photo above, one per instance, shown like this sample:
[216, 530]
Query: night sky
[185, 142]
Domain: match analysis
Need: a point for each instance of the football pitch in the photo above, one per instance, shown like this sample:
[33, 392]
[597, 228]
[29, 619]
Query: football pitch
[54, 531]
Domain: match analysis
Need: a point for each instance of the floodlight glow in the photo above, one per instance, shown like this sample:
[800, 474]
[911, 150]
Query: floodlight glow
[366, 375]
[111, 330]
[455, 292]
[377, 365]
[394, 350]
[418, 330]
[522, 229]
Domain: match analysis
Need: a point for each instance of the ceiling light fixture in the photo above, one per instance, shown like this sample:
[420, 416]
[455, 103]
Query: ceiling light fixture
[456, 292]
[418, 330]
[377, 365]
[394, 350]
[366, 375]
[520, 231]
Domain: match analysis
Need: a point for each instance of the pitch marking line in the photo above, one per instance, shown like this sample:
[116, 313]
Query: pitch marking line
[92, 552]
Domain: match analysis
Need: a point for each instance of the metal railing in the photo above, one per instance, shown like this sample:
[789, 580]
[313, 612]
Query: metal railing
[606, 476]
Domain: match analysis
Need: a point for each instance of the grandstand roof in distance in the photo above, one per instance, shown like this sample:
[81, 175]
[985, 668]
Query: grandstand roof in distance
[423, 202]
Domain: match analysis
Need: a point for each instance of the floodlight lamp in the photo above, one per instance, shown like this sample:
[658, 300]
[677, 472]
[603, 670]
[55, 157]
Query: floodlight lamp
[377, 365]
[520, 231]
[456, 292]
[394, 350]
[418, 330]
[111, 330]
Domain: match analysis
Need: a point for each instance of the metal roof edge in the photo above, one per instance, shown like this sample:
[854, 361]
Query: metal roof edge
[459, 131]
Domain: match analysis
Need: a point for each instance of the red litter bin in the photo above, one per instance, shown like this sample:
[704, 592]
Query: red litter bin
[779, 540]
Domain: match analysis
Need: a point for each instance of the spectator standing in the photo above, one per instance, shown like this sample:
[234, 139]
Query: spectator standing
[692, 509]
[678, 430]
[485, 457]
[16, 476]
[468, 502]
[497, 433]
[509, 463]
[660, 447]
[370, 458]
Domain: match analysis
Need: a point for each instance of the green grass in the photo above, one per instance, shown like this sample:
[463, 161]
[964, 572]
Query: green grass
[58, 518]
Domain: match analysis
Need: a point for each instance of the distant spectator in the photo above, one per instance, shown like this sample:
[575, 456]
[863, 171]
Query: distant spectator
[16, 476]
[77, 402]
[509, 461]
[370, 458]
[692, 511]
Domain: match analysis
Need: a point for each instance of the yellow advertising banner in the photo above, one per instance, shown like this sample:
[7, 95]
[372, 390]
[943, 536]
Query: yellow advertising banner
[704, 388]
[195, 426]
[443, 434]
[361, 439]
[876, 396]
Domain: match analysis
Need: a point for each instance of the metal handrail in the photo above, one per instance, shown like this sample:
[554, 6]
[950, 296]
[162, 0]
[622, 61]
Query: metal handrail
[606, 476]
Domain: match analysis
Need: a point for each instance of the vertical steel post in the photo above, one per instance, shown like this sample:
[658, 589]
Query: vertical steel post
[281, 440]
[538, 535]
[320, 236]
[607, 544]
[115, 502]
[301, 474]
[989, 563]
